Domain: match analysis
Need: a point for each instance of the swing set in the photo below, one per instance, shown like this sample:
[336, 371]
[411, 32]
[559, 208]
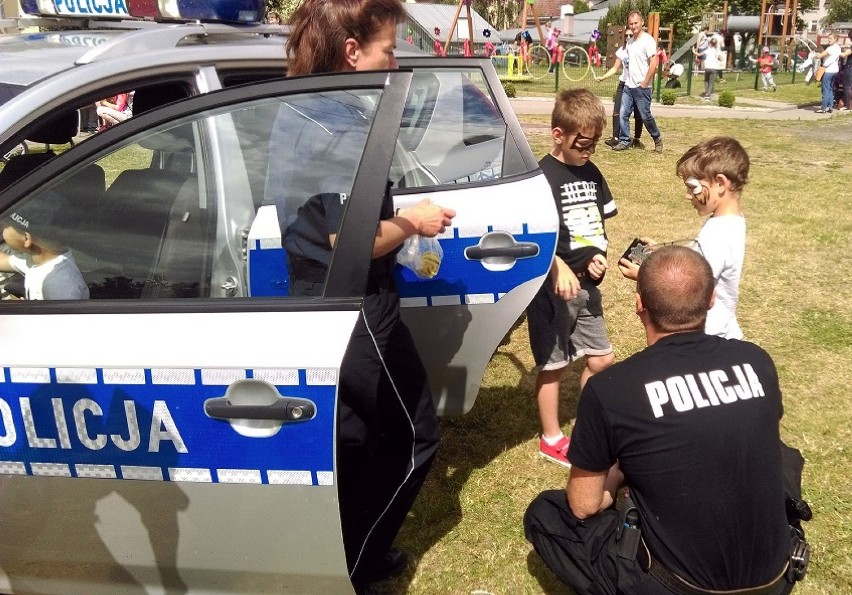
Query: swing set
[532, 59]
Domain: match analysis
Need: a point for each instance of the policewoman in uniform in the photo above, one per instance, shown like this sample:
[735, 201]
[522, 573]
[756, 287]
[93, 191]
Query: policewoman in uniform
[387, 426]
[691, 426]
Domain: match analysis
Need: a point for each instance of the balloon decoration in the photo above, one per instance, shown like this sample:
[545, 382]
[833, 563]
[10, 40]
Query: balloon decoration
[437, 31]
[439, 49]
[468, 52]
[486, 33]
[596, 35]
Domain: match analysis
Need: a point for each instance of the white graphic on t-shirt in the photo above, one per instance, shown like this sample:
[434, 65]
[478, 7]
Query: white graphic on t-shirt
[716, 388]
[581, 215]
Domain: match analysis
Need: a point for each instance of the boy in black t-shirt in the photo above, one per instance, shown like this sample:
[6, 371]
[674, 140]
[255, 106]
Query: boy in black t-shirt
[566, 316]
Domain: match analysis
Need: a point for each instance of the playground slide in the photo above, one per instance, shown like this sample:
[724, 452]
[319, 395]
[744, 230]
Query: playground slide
[686, 47]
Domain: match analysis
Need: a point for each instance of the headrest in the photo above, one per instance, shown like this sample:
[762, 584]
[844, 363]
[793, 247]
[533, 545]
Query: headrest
[56, 129]
[148, 98]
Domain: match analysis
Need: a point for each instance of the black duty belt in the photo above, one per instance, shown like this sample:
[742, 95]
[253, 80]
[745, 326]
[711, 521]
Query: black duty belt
[681, 586]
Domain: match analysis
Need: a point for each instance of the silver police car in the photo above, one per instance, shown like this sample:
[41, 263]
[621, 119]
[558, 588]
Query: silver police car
[143, 446]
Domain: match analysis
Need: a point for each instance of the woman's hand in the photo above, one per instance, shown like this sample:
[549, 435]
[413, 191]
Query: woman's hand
[427, 218]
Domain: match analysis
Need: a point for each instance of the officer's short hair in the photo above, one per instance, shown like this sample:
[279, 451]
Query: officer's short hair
[676, 286]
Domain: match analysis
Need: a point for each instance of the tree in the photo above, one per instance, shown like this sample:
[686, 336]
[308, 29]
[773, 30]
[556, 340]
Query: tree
[617, 15]
[503, 14]
[838, 12]
[752, 7]
[581, 6]
[283, 7]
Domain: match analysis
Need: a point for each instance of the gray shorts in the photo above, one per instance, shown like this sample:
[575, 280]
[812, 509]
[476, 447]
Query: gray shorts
[561, 331]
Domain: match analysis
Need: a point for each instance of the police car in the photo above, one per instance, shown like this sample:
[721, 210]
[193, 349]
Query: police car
[175, 431]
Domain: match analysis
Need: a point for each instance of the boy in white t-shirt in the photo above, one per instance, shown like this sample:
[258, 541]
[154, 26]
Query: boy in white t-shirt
[49, 270]
[715, 172]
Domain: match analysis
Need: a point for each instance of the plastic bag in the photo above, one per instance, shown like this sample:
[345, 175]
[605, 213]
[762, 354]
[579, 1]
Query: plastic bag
[421, 255]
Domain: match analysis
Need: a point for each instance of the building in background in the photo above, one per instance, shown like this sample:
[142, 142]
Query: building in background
[427, 23]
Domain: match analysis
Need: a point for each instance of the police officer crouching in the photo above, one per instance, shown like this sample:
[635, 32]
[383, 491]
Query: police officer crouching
[691, 426]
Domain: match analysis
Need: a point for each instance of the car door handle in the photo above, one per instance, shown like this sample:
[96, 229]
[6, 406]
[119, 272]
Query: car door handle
[286, 410]
[519, 250]
[498, 251]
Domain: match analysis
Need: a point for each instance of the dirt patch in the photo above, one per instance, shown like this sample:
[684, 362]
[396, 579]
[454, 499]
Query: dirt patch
[835, 132]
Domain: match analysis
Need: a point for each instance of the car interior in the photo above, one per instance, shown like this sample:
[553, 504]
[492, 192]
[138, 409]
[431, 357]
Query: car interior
[135, 232]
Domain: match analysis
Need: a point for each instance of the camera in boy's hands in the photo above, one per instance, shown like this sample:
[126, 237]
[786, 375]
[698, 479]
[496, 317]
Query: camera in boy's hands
[637, 251]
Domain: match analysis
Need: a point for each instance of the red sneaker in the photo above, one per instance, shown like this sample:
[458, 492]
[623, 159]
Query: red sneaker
[558, 453]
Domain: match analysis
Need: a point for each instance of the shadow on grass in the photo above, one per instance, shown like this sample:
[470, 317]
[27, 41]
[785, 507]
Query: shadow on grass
[550, 584]
[502, 418]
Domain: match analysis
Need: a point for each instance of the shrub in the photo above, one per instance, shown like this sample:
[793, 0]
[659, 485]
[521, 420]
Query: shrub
[669, 96]
[726, 99]
[509, 88]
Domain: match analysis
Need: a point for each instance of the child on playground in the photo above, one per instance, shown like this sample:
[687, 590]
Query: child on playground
[566, 316]
[765, 64]
[715, 172]
[49, 270]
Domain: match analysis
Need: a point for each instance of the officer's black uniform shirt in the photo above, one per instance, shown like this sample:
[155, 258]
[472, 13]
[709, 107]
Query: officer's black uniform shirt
[693, 421]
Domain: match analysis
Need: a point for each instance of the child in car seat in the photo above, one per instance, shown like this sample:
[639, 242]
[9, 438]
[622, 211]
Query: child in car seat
[49, 270]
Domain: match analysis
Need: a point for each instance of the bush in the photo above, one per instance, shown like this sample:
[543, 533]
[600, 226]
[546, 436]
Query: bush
[509, 88]
[669, 96]
[726, 99]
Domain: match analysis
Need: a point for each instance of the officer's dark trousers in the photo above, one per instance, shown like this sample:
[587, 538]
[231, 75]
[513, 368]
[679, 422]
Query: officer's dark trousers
[387, 438]
[582, 553]
[579, 552]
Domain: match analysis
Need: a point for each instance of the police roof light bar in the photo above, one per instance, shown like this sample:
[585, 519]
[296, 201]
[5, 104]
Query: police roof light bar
[211, 11]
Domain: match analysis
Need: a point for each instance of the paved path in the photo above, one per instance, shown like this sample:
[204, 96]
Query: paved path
[756, 110]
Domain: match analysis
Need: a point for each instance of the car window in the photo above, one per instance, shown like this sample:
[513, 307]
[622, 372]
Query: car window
[195, 208]
[452, 131]
[315, 145]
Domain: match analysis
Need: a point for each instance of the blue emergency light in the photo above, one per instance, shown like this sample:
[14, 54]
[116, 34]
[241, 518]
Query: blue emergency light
[223, 11]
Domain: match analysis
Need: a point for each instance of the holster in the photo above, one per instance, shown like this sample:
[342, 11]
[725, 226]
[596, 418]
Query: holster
[629, 533]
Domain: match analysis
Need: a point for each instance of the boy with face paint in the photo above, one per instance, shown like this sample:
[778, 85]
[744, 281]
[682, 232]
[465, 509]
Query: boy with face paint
[714, 173]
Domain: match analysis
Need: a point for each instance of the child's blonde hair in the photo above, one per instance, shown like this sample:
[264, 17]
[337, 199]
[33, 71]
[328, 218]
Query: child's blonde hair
[718, 155]
[576, 110]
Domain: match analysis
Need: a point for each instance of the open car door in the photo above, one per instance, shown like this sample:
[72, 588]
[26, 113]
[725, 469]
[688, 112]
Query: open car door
[175, 432]
[461, 146]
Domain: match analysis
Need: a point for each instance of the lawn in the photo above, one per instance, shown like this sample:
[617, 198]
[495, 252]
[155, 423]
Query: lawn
[466, 529]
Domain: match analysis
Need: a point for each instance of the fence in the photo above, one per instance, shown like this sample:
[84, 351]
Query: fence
[538, 76]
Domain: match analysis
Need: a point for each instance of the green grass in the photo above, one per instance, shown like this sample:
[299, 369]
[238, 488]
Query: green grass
[466, 527]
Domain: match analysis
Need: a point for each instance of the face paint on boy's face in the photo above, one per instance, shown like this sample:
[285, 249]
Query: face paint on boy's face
[696, 191]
